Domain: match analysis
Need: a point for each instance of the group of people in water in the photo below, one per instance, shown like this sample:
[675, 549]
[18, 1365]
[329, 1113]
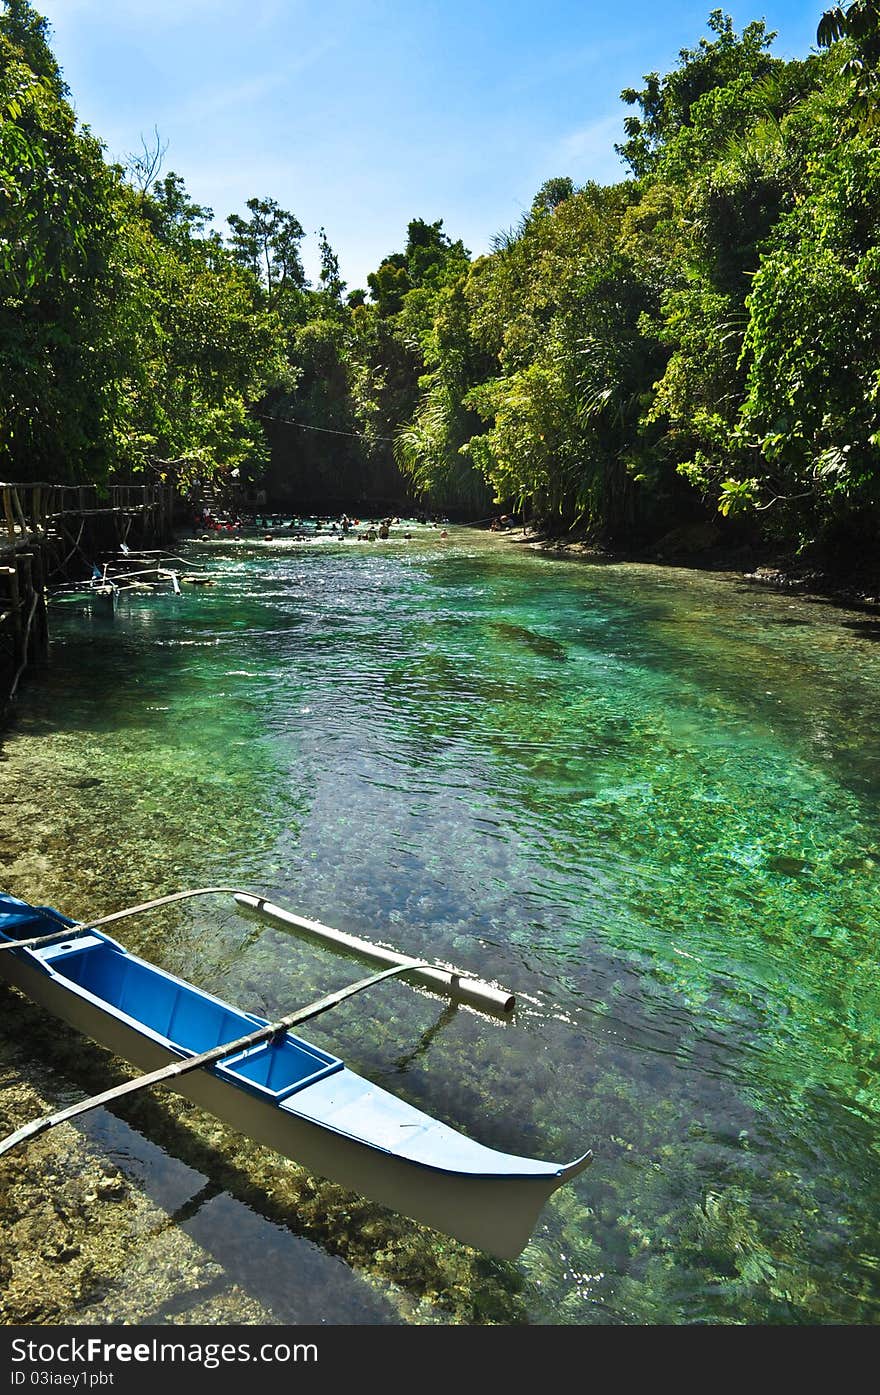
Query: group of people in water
[207, 525]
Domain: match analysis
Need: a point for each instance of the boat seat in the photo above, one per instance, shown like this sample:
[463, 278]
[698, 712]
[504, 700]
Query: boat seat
[280, 1067]
[67, 947]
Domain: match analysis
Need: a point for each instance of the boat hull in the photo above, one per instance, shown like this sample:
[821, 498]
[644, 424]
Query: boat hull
[493, 1208]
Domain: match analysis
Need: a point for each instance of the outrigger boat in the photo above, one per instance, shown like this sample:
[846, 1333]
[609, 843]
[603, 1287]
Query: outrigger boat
[271, 1085]
[100, 588]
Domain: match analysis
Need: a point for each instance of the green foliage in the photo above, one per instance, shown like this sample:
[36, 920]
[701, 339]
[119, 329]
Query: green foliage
[28, 34]
[172, 215]
[267, 244]
[737, 496]
[332, 283]
[429, 261]
[814, 343]
[858, 26]
[551, 194]
[130, 339]
[667, 103]
[560, 309]
[611, 346]
[389, 284]
[432, 259]
[433, 448]
[194, 350]
[703, 338]
[57, 225]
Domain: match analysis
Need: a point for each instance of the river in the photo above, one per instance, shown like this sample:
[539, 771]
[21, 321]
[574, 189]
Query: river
[646, 799]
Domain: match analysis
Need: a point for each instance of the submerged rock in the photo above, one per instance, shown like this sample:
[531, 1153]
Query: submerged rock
[790, 866]
[539, 644]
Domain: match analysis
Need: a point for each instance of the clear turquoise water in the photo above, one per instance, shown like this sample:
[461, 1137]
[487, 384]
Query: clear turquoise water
[644, 799]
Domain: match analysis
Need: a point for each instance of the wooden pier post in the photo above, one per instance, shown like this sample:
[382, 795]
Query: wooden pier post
[7, 510]
[40, 638]
[28, 602]
[15, 616]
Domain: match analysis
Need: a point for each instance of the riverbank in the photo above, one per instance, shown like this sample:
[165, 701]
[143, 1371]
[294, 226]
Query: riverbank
[697, 548]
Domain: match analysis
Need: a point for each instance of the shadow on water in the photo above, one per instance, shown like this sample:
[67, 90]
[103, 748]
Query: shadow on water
[865, 629]
[425, 1041]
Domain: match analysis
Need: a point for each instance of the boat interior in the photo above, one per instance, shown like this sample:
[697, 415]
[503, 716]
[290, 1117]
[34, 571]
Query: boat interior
[181, 1015]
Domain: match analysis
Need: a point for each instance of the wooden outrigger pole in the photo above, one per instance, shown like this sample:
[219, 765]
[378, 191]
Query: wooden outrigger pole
[450, 982]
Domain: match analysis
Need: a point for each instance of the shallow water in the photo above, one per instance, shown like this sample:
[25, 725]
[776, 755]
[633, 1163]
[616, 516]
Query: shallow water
[645, 799]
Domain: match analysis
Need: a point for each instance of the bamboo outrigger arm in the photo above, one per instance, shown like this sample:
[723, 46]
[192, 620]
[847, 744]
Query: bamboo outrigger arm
[175, 1069]
[452, 983]
[78, 927]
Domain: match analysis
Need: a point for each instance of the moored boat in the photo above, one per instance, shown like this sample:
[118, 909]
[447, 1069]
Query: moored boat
[281, 1090]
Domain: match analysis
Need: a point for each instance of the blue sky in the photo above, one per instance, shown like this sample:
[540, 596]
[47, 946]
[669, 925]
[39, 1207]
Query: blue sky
[359, 115]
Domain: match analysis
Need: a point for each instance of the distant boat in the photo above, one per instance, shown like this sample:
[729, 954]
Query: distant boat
[280, 1090]
[100, 590]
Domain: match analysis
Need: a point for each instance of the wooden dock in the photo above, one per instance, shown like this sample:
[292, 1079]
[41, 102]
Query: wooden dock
[51, 534]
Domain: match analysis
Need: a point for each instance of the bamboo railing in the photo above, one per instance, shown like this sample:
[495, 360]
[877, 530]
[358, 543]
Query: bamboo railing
[33, 510]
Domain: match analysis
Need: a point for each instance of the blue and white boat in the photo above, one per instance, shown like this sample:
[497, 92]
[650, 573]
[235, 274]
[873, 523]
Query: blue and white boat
[283, 1092]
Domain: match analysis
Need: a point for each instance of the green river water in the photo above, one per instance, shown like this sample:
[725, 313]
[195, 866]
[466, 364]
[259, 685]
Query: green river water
[645, 799]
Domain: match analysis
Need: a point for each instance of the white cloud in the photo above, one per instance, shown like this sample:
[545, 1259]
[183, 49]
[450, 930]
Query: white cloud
[588, 152]
[210, 101]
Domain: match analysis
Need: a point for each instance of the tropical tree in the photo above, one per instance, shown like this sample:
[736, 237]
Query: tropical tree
[57, 229]
[858, 25]
[667, 103]
[267, 244]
